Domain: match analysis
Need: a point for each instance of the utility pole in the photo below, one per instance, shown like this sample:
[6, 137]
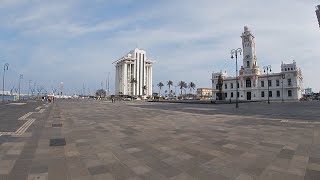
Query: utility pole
[108, 89]
[29, 88]
[106, 84]
[83, 90]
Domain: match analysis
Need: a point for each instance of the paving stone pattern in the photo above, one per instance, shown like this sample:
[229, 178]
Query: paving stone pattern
[141, 140]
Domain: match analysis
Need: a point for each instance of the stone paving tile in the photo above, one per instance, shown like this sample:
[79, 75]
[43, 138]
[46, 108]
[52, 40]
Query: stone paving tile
[101, 169]
[312, 175]
[286, 154]
[182, 176]
[40, 176]
[140, 170]
[106, 176]
[6, 166]
[170, 141]
[200, 173]
[272, 175]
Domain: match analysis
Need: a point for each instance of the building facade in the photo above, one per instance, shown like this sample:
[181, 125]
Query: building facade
[204, 93]
[134, 74]
[253, 82]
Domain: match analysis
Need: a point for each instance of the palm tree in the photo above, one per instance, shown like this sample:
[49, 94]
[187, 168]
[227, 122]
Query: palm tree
[181, 84]
[144, 89]
[170, 83]
[132, 81]
[160, 85]
[185, 86]
[191, 86]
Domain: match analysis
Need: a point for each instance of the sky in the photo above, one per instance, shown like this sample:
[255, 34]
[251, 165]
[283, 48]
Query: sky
[76, 41]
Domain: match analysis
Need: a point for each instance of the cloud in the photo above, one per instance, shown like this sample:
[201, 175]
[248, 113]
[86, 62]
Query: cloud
[77, 41]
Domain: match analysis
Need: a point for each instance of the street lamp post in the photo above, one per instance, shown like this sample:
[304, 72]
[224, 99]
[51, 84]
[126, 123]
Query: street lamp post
[234, 52]
[5, 67]
[267, 68]
[283, 76]
[29, 89]
[20, 77]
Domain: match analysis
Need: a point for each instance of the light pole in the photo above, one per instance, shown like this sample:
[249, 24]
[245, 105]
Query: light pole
[5, 67]
[20, 77]
[234, 52]
[267, 68]
[29, 89]
[283, 76]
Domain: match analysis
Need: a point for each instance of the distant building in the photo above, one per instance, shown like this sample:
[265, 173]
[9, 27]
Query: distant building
[253, 84]
[134, 74]
[318, 13]
[308, 91]
[204, 93]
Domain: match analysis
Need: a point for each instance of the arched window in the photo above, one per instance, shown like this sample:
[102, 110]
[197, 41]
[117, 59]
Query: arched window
[248, 82]
[289, 93]
[262, 93]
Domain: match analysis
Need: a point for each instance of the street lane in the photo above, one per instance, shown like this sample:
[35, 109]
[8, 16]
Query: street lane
[11, 112]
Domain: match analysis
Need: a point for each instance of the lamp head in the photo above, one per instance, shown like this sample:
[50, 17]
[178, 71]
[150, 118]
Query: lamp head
[232, 56]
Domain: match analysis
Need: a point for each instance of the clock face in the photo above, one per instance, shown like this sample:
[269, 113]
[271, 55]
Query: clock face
[247, 56]
[246, 39]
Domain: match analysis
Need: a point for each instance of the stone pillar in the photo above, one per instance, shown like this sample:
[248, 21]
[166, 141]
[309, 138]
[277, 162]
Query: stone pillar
[150, 89]
[124, 79]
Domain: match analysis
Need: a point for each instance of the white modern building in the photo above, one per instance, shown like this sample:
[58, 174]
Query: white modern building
[134, 74]
[253, 82]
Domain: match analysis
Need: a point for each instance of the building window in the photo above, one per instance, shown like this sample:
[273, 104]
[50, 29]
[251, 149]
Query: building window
[289, 93]
[291, 69]
[289, 82]
[248, 82]
[285, 69]
[248, 64]
[238, 85]
[277, 82]
[225, 86]
[232, 94]
[231, 85]
[270, 93]
[238, 94]
[269, 83]
[278, 93]
[217, 87]
[225, 95]
[262, 93]
[262, 83]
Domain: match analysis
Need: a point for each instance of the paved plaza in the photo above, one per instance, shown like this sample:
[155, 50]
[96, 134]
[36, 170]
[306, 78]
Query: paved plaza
[100, 140]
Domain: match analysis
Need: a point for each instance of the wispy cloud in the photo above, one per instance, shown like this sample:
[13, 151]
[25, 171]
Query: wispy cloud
[76, 41]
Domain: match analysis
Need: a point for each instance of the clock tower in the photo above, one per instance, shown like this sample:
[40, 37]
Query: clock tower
[249, 49]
